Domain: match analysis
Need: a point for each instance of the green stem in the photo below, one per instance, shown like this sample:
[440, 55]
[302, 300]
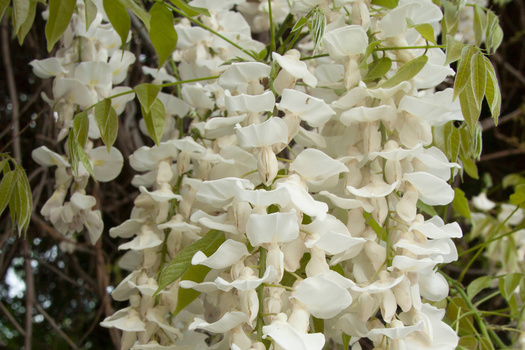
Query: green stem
[260, 293]
[410, 47]
[483, 246]
[315, 56]
[481, 323]
[161, 86]
[204, 26]
[272, 31]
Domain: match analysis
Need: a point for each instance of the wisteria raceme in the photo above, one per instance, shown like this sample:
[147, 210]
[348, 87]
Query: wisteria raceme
[292, 200]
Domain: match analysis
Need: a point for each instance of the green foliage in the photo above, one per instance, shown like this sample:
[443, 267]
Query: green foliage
[189, 10]
[406, 72]
[107, 121]
[77, 154]
[119, 18]
[386, 3]
[81, 127]
[180, 263]
[15, 192]
[378, 68]
[60, 12]
[155, 119]
[460, 203]
[162, 32]
[425, 29]
[90, 10]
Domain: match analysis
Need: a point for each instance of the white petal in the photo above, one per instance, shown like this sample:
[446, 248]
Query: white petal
[312, 110]
[73, 91]
[271, 132]
[291, 63]
[82, 202]
[218, 193]
[241, 73]
[301, 199]
[315, 165]
[263, 198]
[345, 41]
[287, 337]
[226, 323]
[395, 332]
[106, 166]
[271, 228]
[432, 189]
[226, 255]
[249, 103]
[368, 114]
[220, 127]
[432, 285]
[322, 297]
[47, 68]
[45, 157]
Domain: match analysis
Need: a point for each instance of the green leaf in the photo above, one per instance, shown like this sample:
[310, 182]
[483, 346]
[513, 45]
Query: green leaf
[369, 50]
[468, 342]
[81, 127]
[451, 18]
[425, 29]
[146, 93]
[454, 49]
[119, 18]
[478, 285]
[6, 188]
[176, 267]
[144, 16]
[317, 27]
[494, 34]
[492, 91]
[300, 24]
[509, 283]
[190, 10]
[378, 68]
[60, 12]
[90, 10]
[20, 13]
[107, 121]
[478, 77]
[77, 154]
[427, 209]
[162, 32]
[518, 197]
[28, 23]
[406, 72]
[464, 71]
[195, 273]
[318, 325]
[155, 119]
[469, 108]
[346, 340]
[373, 224]
[26, 202]
[480, 24]
[453, 144]
[469, 165]
[513, 180]
[3, 6]
[390, 4]
[460, 203]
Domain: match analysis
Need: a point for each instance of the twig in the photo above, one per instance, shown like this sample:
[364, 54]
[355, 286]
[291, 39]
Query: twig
[30, 294]
[517, 74]
[11, 85]
[55, 326]
[488, 123]
[502, 154]
[102, 278]
[12, 319]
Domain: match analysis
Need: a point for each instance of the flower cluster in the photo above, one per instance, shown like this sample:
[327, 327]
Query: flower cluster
[287, 211]
[85, 68]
